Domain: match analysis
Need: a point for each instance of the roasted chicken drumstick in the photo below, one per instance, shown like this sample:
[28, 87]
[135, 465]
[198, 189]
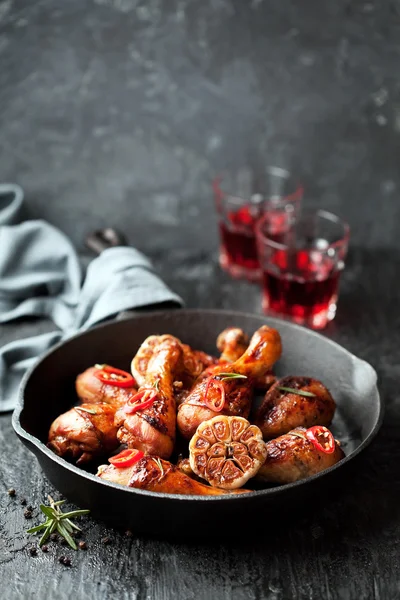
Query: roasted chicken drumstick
[192, 364]
[88, 430]
[229, 389]
[157, 475]
[92, 389]
[294, 402]
[148, 420]
[299, 454]
[84, 432]
[233, 343]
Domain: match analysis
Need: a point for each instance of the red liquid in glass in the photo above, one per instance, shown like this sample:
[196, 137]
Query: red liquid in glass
[238, 244]
[307, 292]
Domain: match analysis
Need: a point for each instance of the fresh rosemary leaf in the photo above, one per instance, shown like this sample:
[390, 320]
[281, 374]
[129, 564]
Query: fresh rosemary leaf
[159, 465]
[298, 434]
[231, 376]
[67, 525]
[62, 531]
[45, 535]
[48, 511]
[74, 513]
[39, 527]
[294, 391]
[72, 525]
[53, 527]
[87, 410]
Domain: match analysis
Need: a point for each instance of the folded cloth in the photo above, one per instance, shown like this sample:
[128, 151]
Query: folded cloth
[40, 275]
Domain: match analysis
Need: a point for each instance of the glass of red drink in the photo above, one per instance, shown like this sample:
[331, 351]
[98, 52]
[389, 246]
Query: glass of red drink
[301, 265]
[241, 198]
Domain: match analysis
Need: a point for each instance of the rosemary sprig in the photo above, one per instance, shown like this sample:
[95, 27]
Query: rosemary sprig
[294, 391]
[231, 376]
[159, 465]
[298, 434]
[56, 519]
[87, 410]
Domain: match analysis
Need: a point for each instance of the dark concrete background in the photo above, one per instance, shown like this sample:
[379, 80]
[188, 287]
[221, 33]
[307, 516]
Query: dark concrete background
[121, 111]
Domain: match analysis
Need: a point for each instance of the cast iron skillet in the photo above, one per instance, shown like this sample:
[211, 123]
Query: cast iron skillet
[48, 390]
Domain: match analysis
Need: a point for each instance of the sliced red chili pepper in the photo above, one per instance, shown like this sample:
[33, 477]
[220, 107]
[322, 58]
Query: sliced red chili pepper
[114, 376]
[215, 404]
[322, 438]
[126, 458]
[143, 399]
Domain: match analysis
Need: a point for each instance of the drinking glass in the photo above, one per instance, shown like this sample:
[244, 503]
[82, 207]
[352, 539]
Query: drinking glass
[241, 198]
[301, 264]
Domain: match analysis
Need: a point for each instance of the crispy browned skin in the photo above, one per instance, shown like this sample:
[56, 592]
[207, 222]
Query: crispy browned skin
[90, 389]
[82, 435]
[282, 411]
[183, 465]
[147, 475]
[233, 343]
[192, 364]
[264, 350]
[152, 429]
[291, 458]
[141, 359]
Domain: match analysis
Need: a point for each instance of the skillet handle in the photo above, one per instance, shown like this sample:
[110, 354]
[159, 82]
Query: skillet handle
[103, 239]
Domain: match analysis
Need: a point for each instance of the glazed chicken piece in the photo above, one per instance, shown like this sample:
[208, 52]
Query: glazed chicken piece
[233, 343]
[152, 427]
[183, 465]
[282, 410]
[225, 394]
[157, 475]
[90, 389]
[193, 363]
[293, 456]
[141, 360]
[88, 430]
[84, 432]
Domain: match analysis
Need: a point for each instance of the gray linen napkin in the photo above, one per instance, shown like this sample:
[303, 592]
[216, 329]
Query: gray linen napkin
[40, 275]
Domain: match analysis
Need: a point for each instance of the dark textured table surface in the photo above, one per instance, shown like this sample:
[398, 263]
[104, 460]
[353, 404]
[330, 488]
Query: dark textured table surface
[119, 112]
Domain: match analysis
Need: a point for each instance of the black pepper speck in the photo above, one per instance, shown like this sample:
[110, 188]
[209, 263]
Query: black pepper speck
[106, 540]
[128, 533]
